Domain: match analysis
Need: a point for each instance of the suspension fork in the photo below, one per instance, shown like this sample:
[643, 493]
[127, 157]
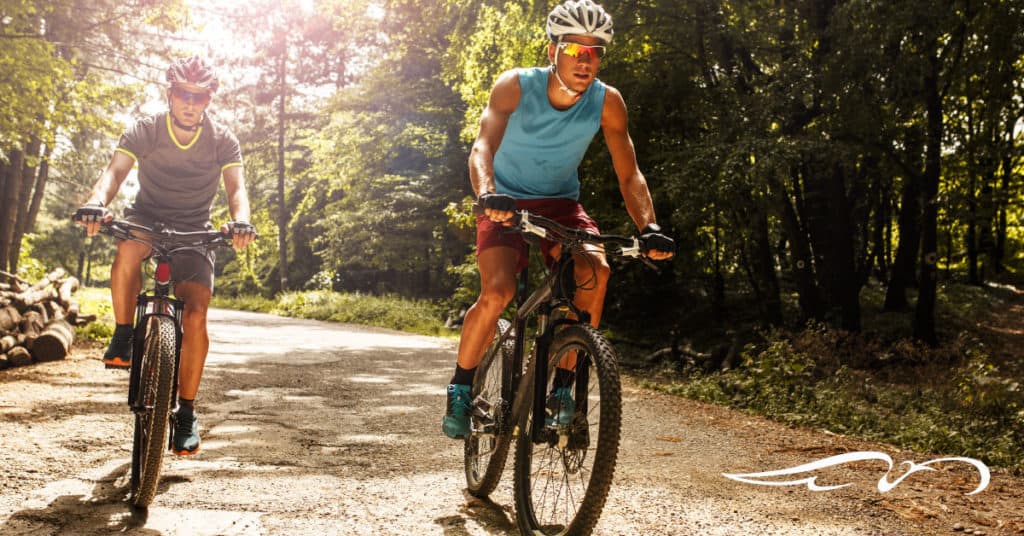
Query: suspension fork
[146, 306]
[541, 349]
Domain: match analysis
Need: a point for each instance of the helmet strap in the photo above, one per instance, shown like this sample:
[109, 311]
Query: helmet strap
[561, 85]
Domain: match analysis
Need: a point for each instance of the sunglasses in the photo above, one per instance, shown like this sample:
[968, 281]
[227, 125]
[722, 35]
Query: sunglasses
[190, 97]
[577, 50]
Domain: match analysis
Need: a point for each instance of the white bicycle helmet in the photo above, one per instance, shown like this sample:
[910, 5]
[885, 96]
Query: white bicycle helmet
[579, 17]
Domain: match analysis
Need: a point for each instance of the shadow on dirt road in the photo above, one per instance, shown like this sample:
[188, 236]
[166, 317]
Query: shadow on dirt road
[318, 428]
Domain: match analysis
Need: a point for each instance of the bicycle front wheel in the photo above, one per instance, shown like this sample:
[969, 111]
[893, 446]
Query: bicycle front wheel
[488, 443]
[152, 414]
[562, 479]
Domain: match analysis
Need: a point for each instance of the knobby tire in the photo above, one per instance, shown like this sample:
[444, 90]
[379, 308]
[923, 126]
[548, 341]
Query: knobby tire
[561, 490]
[485, 454]
[153, 422]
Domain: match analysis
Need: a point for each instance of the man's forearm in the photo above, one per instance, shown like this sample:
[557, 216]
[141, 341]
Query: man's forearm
[638, 201]
[238, 204]
[105, 189]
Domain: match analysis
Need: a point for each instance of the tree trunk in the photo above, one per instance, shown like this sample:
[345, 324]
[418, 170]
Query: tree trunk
[808, 294]
[986, 221]
[54, 342]
[282, 205]
[42, 176]
[971, 236]
[28, 179]
[845, 280]
[999, 253]
[9, 202]
[763, 268]
[903, 266]
[879, 253]
[718, 279]
[924, 314]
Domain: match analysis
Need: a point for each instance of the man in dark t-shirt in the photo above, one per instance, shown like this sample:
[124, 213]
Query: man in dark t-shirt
[182, 154]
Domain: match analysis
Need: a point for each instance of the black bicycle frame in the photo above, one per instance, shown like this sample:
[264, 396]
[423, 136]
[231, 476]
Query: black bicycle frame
[552, 294]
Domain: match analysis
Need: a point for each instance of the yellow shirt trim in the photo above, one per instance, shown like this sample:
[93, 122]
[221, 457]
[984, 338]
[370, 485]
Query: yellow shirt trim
[229, 164]
[127, 152]
[174, 138]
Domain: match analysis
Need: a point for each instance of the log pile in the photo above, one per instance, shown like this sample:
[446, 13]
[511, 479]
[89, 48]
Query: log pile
[37, 320]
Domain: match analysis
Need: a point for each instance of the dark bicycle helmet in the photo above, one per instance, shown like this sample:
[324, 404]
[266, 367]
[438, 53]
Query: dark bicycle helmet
[193, 70]
[579, 17]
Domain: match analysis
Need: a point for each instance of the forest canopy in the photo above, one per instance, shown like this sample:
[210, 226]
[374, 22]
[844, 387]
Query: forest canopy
[798, 151]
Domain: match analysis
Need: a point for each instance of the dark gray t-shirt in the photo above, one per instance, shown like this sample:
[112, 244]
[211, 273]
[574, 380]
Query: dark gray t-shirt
[177, 183]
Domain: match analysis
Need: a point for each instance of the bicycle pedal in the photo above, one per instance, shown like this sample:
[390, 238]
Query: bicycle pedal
[486, 428]
[481, 404]
[117, 367]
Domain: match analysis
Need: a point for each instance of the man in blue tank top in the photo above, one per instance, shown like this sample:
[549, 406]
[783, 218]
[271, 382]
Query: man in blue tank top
[533, 135]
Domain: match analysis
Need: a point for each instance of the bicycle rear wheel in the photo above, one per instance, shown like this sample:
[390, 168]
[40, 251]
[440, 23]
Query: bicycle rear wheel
[562, 481]
[488, 444]
[152, 416]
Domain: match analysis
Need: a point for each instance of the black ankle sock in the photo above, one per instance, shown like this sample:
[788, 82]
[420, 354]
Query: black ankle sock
[564, 377]
[463, 376]
[186, 403]
[123, 331]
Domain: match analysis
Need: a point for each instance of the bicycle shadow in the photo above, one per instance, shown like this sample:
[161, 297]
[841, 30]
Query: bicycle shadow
[490, 516]
[102, 511]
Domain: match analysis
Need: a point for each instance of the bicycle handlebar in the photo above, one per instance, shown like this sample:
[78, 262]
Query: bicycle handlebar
[526, 222]
[166, 241]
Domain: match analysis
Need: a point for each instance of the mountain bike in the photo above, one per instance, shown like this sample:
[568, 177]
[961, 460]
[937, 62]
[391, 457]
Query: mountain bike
[563, 470]
[153, 377]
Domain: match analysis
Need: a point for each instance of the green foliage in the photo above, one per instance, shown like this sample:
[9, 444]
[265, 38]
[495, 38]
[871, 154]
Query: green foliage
[29, 268]
[416, 316]
[493, 39]
[95, 301]
[250, 270]
[808, 379]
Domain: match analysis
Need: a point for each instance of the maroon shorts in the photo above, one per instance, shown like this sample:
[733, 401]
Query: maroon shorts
[564, 211]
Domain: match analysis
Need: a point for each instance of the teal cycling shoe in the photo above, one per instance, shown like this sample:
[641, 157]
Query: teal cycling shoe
[455, 423]
[560, 407]
[186, 432]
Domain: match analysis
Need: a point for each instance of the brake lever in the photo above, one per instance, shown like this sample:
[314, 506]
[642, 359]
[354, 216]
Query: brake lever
[528, 227]
[650, 264]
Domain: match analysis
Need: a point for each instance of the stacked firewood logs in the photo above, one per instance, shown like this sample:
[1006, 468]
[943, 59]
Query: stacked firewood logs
[37, 320]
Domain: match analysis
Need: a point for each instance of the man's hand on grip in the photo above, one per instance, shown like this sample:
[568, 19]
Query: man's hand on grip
[243, 233]
[656, 245]
[92, 216]
[497, 207]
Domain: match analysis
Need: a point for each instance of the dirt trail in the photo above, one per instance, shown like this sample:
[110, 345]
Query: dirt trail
[317, 428]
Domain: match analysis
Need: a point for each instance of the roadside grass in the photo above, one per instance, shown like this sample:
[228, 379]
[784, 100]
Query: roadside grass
[414, 316]
[963, 398]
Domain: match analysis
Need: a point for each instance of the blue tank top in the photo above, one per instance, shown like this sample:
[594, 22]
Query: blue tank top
[542, 146]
